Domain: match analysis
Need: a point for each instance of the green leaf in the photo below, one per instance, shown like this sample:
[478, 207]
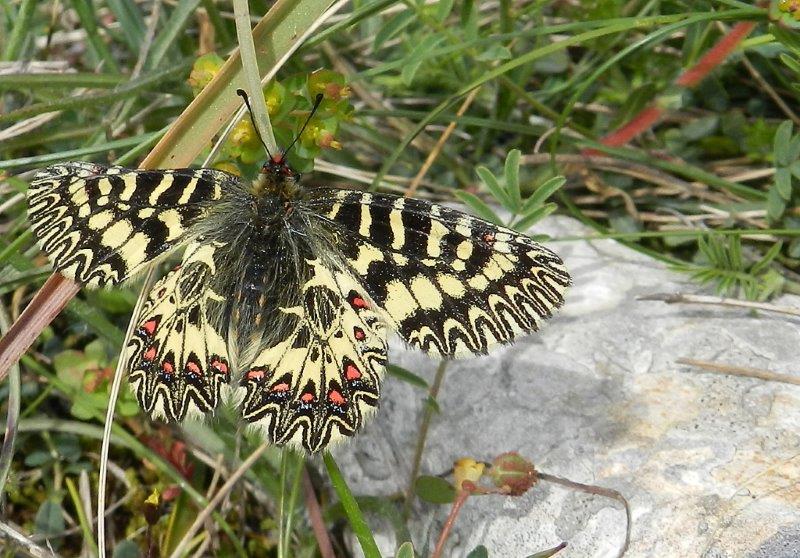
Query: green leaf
[776, 205]
[543, 192]
[783, 182]
[432, 404]
[38, 458]
[771, 254]
[479, 551]
[491, 182]
[511, 175]
[406, 550]
[418, 56]
[795, 169]
[479, 207]
[393, 27]
[443, 9]
[494, 52]
[126, 549]
[782, 148]
[434, 490]
[534, 216]
[409, 377]
[50, 518]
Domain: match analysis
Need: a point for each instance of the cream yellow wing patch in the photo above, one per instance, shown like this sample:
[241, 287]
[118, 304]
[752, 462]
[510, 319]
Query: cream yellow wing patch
[319, 383]
[100, 225]
[177, 358]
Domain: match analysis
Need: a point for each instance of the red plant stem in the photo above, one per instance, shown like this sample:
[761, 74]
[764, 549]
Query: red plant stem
[639, 123]
[690, 78]
[461, 498]
[54, 295]
[315, 517]
[716, 55]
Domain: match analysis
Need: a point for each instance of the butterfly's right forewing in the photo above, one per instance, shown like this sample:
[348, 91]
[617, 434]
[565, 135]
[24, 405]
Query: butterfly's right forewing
[100, 225]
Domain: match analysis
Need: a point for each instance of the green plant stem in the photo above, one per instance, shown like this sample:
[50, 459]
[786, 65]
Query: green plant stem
[422, 437]
[83, 520]
[351, 509]
[97, 45]
[22, 25]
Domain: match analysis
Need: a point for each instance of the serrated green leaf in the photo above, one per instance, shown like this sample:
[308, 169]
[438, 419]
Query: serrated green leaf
[434, 490]
[783, 182]
[781, 145]
[511, 175]
[409, 377]
[479, 207]
[543, 192]
[491, 182]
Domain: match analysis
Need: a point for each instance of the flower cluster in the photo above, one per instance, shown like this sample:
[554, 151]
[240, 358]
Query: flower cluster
[289, 104]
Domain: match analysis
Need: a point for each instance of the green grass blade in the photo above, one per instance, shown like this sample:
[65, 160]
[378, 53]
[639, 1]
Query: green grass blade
[351, 509]
[22, 25]
[165, 38]
[97, 45]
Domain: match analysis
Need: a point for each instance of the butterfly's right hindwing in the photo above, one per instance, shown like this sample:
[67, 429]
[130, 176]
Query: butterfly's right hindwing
[177, 358]
[100, 225]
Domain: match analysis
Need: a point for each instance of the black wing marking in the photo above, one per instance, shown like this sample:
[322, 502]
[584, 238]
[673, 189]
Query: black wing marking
[448, 283]
[100, 225]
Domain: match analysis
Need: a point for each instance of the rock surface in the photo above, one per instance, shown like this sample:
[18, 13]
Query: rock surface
[709, 463]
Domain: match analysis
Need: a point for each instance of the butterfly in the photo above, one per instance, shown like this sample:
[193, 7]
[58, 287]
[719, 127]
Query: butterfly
[286, 294]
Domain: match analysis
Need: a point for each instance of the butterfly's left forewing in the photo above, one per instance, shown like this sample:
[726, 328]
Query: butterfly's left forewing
[100, 225]
[177, 358]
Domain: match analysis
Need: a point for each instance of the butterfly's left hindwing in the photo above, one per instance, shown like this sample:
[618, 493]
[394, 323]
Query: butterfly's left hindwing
[317, 384]
[177, 358]
[100, 225]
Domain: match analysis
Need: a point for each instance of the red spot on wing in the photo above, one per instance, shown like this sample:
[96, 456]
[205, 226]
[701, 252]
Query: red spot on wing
[192, 367]
[358, 333]
[335, 397]
[351, 372]
[219, 365]
[307, 397]
[357, 301]
[167, 367]
[254, 374]
[281, 387]
[488, 238]
[150, 353]
[149, 327]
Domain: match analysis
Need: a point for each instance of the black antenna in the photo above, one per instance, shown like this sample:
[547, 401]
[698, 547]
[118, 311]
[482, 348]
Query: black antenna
[317, 102]
[243, 95]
